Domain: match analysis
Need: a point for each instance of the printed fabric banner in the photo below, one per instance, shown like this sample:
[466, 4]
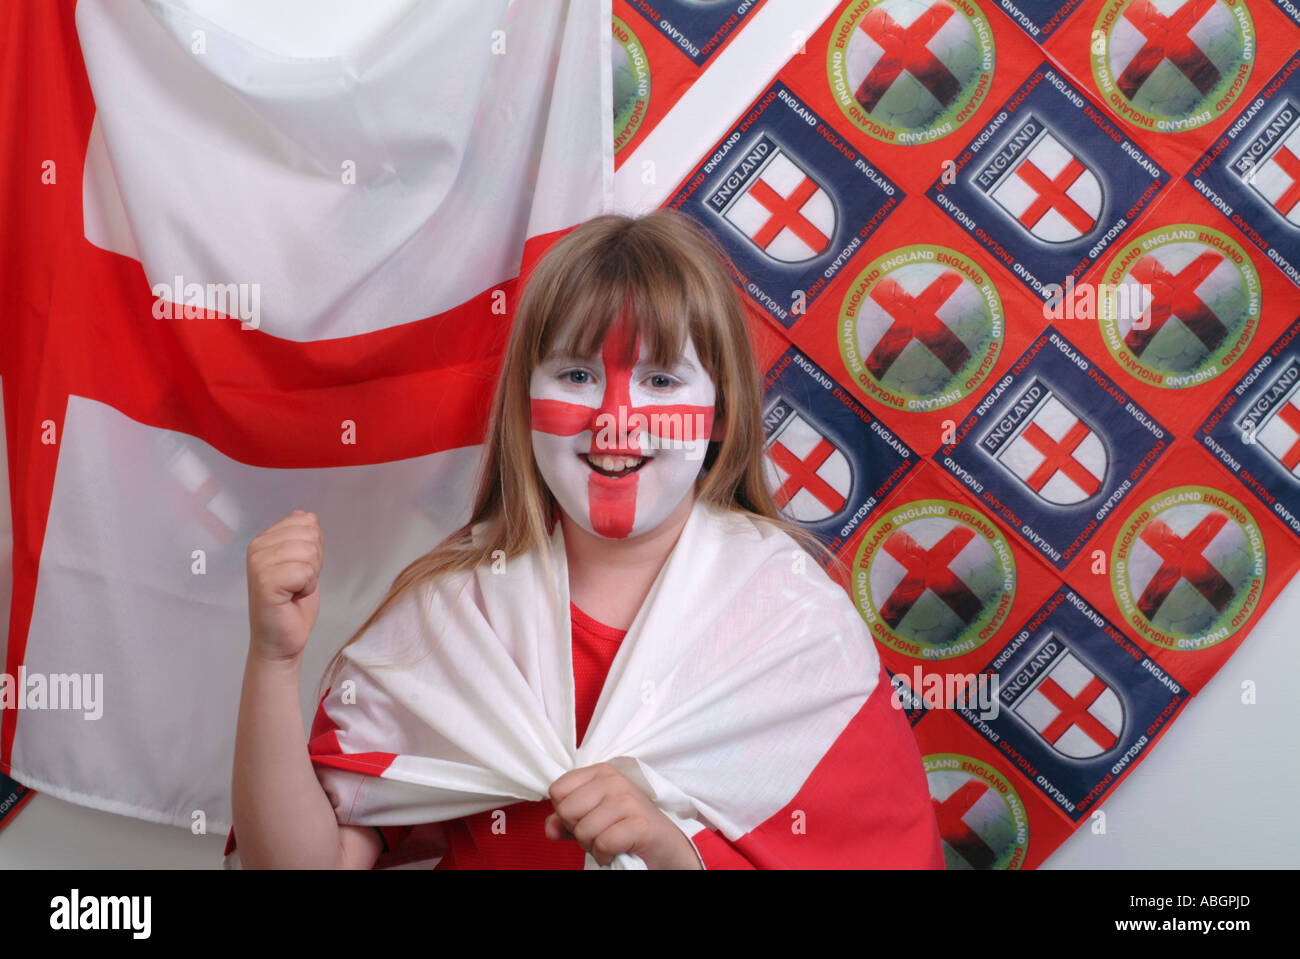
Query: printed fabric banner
[1024, 280]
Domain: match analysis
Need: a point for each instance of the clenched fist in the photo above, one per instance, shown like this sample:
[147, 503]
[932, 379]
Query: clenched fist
[284, 564]
[608, 814]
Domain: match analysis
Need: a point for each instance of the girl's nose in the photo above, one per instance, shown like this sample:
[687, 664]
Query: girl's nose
[614, 423]
[612, 418]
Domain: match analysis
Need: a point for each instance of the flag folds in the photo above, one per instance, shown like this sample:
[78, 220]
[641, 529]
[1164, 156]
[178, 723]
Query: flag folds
[246, 282]
[754, 712]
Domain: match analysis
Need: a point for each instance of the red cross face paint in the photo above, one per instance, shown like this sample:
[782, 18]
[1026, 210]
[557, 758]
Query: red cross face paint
[619, 440]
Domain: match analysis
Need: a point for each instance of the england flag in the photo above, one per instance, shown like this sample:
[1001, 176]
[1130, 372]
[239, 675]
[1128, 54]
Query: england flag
[1057, 454]
[810, 477]
[1072, 709]
[255, 277]
[1051, 192]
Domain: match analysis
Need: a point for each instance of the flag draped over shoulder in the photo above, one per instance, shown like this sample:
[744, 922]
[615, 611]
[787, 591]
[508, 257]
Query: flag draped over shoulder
[238, 283]
[752, 710]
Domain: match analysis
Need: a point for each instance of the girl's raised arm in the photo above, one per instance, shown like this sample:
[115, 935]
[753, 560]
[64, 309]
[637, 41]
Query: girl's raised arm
[282, 817]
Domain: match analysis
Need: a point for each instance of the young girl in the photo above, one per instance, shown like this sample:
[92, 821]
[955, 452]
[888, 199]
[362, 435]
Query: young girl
[622, 658]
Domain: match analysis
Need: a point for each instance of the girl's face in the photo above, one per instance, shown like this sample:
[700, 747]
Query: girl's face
[619, 440]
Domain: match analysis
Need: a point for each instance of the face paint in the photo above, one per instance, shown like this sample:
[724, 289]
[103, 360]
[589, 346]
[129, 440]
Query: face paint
[619, 441]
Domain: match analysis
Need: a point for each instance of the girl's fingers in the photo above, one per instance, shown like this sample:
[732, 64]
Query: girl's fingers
[555, 829]
[290, 530]
[291, 551]
[600, 819]
[587, 797]
[570, 781]
[619, 838]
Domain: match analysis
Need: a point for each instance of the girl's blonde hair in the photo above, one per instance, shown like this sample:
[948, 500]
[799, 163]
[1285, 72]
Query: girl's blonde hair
[672, 279]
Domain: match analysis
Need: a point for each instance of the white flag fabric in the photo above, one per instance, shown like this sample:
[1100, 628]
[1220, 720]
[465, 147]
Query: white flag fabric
[370, 207]
[721, 701]
[359, 192]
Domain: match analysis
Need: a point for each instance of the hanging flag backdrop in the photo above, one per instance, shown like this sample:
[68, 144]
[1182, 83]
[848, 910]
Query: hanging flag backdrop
[242, 283]
[1023, 284]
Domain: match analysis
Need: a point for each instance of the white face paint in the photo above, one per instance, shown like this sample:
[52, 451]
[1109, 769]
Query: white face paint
[620, 445]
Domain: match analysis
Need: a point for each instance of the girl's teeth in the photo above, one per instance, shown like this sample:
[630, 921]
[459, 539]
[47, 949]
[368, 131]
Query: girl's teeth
[615, 463]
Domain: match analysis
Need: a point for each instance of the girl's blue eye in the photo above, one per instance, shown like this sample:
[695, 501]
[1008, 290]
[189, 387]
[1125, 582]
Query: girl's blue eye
[662, 381]
[582, 376]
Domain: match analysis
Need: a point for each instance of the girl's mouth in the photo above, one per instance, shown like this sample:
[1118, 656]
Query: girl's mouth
[613, 466]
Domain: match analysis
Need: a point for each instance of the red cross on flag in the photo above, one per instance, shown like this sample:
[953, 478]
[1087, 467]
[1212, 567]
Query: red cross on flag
[810, 477]
[1280, 433]
[256, 277]
[1179, 562]
[784, 211]
[1169, 42]
[1277, 177]
[1056, 454]
[915, 310]
[899, 42]
[1180, 287]
[1051, 192]
[1073, 709]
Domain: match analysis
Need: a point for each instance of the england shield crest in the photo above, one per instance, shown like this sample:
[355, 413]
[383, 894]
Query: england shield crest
[1047, 445]
[1271, 164]
[809, 476]
[1068, 705]
[1047, 188]
[1279, 433]
[776, 204]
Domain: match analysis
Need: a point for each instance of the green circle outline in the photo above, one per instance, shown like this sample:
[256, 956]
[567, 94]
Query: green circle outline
[1108, 86]
[836, 80]
[988, 617]
[633, 45]
[1128, 607]
[846, 332]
